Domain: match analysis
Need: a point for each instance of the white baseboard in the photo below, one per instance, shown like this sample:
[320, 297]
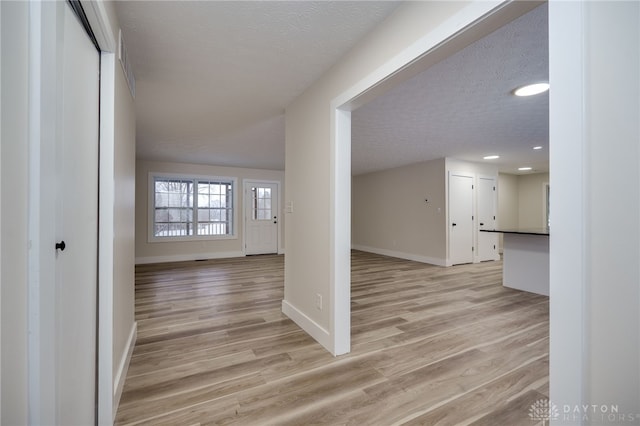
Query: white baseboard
[312, 328]
[477, 259]
[123, 367]
[187, 257]
[401, 255]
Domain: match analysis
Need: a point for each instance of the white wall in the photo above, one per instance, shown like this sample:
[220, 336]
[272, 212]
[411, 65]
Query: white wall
[484, 169]
[0, 215]
[521, 201]
[531, 200]
[152, 252]
[14, 178]
[508, 201]
[124, 229]
[595, 202]
[612, 133]
[316, 158]
[390, 215]
[507, 204]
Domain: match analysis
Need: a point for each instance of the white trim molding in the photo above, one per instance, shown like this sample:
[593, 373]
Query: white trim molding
[340, 232]
[99, 21]
[188, 257]
[106, 231]
[568, 265]
[401, 255]
[308, 325]
[123, 367]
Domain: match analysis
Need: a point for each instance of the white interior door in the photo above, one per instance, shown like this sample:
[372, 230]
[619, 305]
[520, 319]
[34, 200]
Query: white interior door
[261, 217]
[460, 218]
[487, 241]
[77, 224]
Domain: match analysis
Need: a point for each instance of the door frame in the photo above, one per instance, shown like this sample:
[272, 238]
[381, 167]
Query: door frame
[245, 210]
[546, 213]
[44, 71]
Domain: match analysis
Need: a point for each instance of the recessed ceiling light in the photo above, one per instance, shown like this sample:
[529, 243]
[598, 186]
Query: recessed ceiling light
[537, 147]
[491, 157]
[531, 89]
[524, 169]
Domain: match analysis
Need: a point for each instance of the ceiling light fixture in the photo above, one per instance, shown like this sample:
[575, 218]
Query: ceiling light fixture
[524, 169]
[531, 89]
[537, 147]
[491, 157]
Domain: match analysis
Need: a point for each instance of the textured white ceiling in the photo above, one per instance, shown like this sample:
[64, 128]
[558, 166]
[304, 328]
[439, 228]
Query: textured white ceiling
[463, 107]
[213, 77]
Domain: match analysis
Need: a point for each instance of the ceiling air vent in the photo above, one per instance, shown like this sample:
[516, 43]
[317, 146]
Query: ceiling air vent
[126, 65]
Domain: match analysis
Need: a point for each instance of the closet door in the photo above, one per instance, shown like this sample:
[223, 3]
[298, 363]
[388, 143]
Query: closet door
[461, 227]
[76, 187]
[487, 241]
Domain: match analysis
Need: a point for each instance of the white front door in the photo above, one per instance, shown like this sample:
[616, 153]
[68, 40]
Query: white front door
[76, 189]
[460, 219]
[487, 241]
[261, 217]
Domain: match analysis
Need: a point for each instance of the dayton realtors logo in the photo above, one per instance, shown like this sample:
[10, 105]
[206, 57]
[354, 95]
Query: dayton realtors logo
[543, 410]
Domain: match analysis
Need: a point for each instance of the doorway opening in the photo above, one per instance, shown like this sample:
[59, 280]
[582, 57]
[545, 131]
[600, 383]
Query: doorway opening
[379, 83]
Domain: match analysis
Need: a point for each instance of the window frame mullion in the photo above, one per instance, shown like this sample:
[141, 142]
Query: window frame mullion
[194, 211]
[222, 228]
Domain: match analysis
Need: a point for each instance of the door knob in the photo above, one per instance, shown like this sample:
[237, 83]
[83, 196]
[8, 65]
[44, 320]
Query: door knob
[453, 224]
[482, 224]
[61, 246]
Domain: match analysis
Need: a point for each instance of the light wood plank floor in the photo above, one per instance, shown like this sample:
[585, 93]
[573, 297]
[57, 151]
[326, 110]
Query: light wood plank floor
[430, 346]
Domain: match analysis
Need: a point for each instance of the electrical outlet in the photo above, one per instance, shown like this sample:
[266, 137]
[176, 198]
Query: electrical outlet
[319, 301]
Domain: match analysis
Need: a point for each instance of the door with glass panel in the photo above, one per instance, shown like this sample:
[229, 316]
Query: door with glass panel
[261, 217]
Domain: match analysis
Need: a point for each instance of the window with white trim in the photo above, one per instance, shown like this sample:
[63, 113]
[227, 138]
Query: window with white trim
[185, 208]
